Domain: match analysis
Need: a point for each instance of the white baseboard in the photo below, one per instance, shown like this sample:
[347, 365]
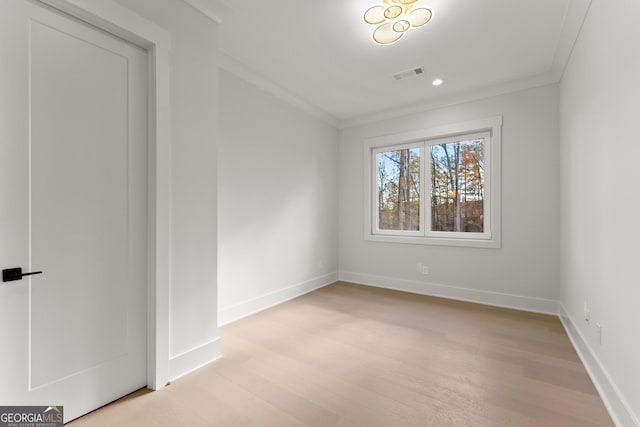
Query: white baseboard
[518, 302]
[194, 359]
[619, 409]
[246, 308]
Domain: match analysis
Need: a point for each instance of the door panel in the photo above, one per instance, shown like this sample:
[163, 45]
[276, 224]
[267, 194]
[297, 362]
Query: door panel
[73, 198]
[92, 224]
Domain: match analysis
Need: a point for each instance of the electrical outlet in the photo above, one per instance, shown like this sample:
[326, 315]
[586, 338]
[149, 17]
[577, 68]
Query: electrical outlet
[599, 333]
[425, 270]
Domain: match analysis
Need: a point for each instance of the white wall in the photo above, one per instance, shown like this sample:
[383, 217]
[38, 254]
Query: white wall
[600, 112]
[524, 272]
[194, 93]
[277, 189]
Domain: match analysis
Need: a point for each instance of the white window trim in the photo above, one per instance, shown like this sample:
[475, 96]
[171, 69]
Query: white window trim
[493, 125]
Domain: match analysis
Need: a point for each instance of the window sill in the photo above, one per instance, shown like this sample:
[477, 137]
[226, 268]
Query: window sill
[493, 243]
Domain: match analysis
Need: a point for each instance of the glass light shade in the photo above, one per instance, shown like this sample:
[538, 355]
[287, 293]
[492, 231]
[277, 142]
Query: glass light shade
[385, 34]
[401, 26]
[374, 15]
[393, 12]
[393, 18]
[419, 17]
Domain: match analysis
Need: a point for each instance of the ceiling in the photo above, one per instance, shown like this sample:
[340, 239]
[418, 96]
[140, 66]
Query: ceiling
[322, 54]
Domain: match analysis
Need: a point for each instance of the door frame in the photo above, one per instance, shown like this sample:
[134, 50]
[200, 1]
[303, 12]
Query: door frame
[124, 23]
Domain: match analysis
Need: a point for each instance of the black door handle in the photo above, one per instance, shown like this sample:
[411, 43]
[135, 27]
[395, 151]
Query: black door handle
[11, 274]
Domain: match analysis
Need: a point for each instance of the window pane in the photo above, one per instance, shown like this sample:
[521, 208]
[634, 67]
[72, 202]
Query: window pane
[457, 186]
[399, 189]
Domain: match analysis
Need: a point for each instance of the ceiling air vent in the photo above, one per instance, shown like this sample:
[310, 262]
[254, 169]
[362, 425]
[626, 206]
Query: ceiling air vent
[408, 73]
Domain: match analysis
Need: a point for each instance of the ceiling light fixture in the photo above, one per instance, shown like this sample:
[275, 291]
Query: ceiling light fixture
[394, 18]
[437, 82]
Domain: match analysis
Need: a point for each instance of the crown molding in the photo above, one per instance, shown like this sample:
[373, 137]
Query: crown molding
[239, 69]
[204, 8]
[448, 101]
[574, 18]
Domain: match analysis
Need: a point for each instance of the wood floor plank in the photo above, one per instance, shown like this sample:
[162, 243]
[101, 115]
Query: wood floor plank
[350, 355]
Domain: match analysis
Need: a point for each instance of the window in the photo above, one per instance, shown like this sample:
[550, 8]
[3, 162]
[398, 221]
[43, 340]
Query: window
[399, 189]
[435, 186]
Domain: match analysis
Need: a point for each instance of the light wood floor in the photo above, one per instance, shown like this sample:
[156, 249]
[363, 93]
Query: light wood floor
[349, 355]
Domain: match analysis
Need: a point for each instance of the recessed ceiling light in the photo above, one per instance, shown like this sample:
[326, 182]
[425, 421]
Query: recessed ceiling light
[437, 82]
[393, 18]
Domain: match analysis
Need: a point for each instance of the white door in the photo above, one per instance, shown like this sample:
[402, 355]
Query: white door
[73, 196]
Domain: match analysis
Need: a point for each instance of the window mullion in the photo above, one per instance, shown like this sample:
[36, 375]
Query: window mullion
[425, 183]
[374, 192]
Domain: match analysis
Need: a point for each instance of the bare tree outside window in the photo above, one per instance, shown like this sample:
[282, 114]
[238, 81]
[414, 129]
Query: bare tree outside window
[399, 189]
[457, 186]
